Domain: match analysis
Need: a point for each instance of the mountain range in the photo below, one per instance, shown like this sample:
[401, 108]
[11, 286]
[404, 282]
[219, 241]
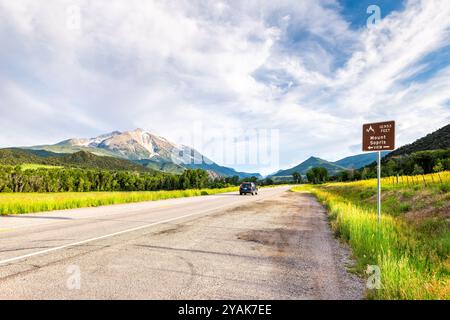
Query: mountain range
[144, 148]
[439, 139]
[352, 162]
[141, 150]
[360, 160]
[308, 164]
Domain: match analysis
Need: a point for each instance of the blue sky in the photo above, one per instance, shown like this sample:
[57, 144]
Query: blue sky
[309, 70]
[351, 10]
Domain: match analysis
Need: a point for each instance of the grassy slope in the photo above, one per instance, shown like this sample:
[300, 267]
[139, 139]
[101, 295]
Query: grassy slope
[34, 166]
[71, 149]
[81, 159]
[17, 203]
[412, 244]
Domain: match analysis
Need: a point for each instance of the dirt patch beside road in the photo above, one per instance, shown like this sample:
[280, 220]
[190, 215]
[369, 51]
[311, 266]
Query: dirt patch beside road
[313, 261]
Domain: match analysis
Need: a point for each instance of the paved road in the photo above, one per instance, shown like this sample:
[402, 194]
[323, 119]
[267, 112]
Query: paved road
[276, 245]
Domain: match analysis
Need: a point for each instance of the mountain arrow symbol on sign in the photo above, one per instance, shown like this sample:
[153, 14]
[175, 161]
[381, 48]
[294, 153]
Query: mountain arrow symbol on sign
[370, 129]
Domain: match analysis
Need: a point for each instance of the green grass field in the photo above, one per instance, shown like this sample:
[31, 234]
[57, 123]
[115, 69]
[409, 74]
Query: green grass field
[411, 245]
[18, 203]
[34, 166]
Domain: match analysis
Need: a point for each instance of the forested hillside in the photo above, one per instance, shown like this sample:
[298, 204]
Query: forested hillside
[421, 162]
[425, 155]
[439, 139]
[81, 159]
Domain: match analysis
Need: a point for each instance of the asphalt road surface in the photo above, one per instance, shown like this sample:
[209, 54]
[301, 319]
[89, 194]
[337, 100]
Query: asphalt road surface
[277, 245]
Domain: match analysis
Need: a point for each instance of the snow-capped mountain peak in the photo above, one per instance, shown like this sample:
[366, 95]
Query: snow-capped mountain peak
[144, 147]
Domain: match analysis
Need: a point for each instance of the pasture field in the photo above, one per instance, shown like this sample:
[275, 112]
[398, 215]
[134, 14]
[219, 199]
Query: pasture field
[18, 203]
[34, 166]
[411, 246]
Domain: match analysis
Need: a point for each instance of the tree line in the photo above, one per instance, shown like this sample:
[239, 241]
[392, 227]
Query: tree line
[14, 179]
[422, 162]
[60, 179]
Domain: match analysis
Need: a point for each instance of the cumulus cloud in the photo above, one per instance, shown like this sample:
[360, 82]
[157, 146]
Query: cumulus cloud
[295, 66]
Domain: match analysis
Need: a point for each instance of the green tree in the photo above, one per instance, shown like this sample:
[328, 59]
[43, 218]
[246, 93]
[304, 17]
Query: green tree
[438, 167]
[317, 175]
[390, 168]
[417, 170]
[322, 174]
[297, 177]
[310, 176]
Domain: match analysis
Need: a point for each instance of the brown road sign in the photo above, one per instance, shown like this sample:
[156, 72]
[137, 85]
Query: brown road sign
[379, 136]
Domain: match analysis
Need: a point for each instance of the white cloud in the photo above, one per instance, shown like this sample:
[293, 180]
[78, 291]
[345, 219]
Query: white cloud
[296, 66]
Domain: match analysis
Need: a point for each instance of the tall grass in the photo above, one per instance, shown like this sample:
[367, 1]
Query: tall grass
[34, 166]
[399, 193]
[413, 264]
[400, 182]
[18, 203]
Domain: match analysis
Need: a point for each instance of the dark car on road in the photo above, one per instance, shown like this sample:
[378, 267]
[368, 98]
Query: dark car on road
[248, 187]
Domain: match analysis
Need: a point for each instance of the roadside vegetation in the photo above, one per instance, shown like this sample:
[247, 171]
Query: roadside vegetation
[27, 187]
[416, 163]
[18, 203]
[411, 246]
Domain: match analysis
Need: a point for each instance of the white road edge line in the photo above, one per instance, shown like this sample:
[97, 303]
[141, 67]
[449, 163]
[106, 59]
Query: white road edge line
[38, 214]
[107, 236]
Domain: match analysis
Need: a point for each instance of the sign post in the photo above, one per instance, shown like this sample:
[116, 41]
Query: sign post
[379, 136]
[379, 186]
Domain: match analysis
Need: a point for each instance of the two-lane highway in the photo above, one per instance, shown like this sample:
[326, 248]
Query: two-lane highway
[26, 236]
[220, 246]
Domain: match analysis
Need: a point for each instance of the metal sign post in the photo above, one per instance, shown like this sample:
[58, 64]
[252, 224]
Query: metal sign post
[379, 137]
[379, 186]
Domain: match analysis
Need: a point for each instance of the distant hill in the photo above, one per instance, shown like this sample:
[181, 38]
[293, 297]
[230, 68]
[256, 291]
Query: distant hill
[310, 163]
[42, 153]
[161, 165]
[223, 171]
[440, 139]
[352, 162]
[14, 157]
[359, 161]
[81, 159]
